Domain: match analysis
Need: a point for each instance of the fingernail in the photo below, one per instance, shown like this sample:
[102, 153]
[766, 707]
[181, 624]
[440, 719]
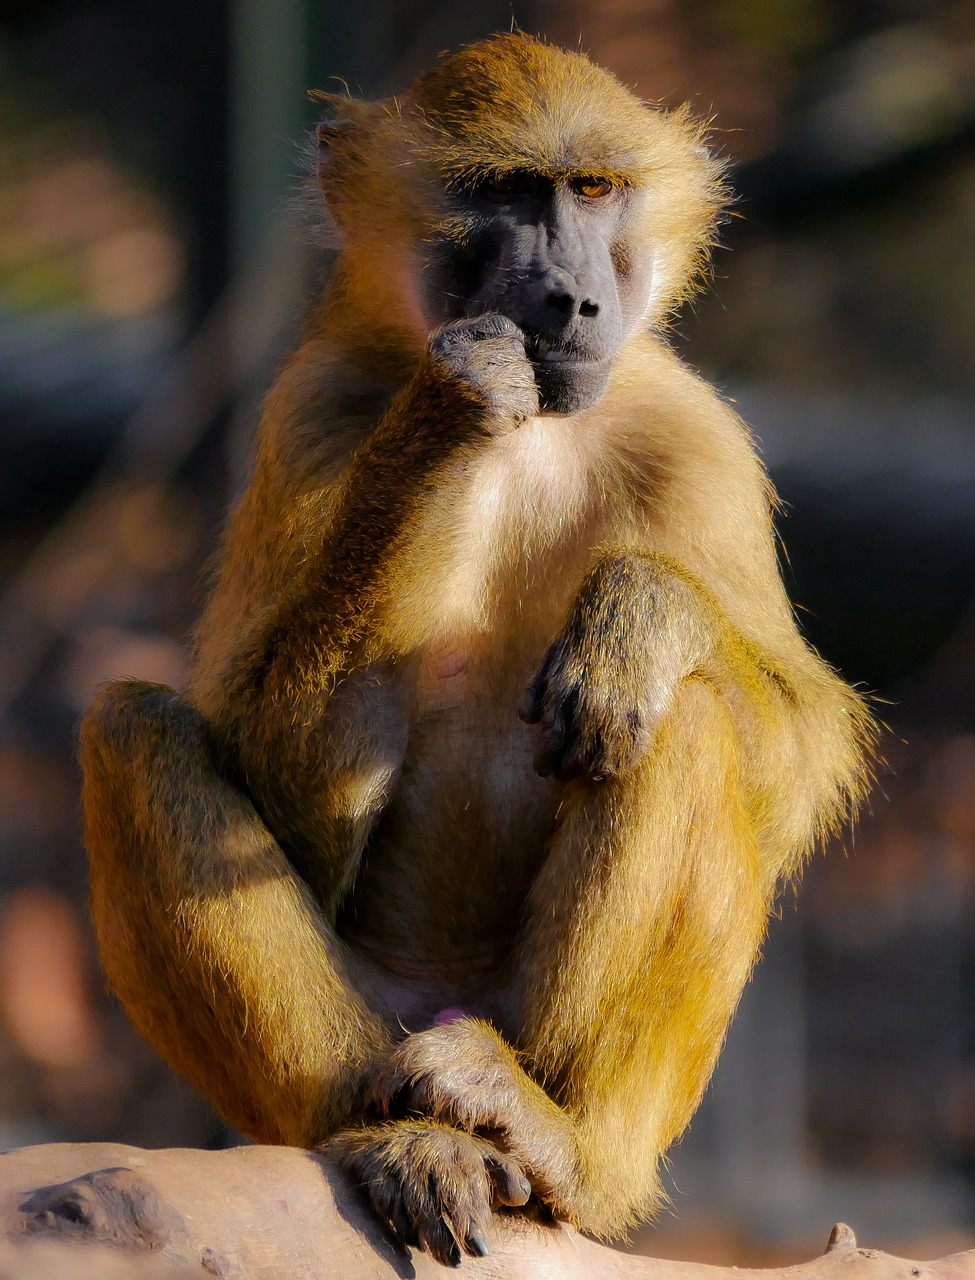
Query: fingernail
[477, 1245]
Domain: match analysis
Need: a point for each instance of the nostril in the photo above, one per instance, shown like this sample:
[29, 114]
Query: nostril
[561, 302]
[589, 309]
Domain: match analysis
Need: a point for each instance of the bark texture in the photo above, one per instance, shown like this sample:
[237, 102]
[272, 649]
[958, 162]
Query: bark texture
[109, 1212]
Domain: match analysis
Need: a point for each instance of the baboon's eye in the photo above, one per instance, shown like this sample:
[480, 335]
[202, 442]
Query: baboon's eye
[508, 186]
[592, 188]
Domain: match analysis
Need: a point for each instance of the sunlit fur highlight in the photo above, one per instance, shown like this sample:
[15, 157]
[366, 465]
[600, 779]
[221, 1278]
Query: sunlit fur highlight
[516, 103]
[338, 832]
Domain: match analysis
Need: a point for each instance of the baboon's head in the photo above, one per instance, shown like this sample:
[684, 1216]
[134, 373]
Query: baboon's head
[519, 178]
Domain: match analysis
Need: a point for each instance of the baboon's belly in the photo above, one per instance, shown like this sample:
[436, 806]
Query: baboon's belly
[452, 858]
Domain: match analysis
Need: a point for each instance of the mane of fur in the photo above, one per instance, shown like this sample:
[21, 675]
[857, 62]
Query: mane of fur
[513, 102]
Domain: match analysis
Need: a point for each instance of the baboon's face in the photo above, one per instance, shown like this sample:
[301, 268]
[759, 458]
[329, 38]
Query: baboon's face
[550, 255]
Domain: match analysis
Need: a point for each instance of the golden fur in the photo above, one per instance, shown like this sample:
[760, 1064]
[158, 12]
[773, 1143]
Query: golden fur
[339, 833]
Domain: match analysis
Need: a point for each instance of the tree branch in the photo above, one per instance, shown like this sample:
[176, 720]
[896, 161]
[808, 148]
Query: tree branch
[110, 1212]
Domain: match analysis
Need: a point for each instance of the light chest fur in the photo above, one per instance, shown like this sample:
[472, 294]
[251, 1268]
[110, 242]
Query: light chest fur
[491, 574]
[504, 547]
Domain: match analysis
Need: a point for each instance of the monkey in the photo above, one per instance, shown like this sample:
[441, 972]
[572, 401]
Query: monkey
[455, 855]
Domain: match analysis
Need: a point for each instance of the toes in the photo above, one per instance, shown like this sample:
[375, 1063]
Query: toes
[454, 1216]
[403, 1229]
[402, 1097]
[473, 1235]
[449, 1202]
[619, 746]
[476, 1245]
[434, 1187]
[509, 1185]
[438, 1240]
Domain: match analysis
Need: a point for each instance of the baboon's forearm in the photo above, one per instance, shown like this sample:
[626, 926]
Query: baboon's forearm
[325, 624]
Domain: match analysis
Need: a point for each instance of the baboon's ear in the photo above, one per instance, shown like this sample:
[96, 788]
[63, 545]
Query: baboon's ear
[338, 123]
[327, 134]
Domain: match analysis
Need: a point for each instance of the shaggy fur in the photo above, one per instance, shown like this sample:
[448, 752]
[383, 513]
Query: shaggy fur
[338, 834]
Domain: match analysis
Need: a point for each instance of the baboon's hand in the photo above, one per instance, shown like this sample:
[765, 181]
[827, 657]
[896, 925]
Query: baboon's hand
[465, 1075]
[586, 727]
[433, 1186]
[487, 353]
[604, 683]
[461, 1073]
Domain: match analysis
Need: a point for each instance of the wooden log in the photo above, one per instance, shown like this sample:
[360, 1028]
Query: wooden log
[109, 1212]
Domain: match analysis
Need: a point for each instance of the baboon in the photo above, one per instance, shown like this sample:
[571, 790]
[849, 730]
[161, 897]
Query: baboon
[456, 854]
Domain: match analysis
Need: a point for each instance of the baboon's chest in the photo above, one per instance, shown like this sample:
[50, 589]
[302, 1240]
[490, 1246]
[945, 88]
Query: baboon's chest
[491, 579]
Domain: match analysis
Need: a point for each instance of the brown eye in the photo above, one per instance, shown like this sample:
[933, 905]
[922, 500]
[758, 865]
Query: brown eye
[592, 188]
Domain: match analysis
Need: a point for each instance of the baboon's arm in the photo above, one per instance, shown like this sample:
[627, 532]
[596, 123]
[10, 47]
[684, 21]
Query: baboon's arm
[290, 714]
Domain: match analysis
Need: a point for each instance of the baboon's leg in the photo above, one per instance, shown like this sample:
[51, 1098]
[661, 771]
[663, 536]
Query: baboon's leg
[642, 927]
[214, 944]
[646, 920]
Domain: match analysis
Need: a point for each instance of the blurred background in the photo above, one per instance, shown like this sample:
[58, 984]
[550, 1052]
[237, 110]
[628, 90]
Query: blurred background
[153, 271]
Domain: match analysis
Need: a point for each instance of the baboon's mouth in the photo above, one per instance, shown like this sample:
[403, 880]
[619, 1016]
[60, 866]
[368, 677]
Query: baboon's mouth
[568, 382]
[541, 351]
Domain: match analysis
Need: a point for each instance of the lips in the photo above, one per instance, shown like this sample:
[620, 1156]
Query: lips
[567, 382]
[559, 357]
[541, 351]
